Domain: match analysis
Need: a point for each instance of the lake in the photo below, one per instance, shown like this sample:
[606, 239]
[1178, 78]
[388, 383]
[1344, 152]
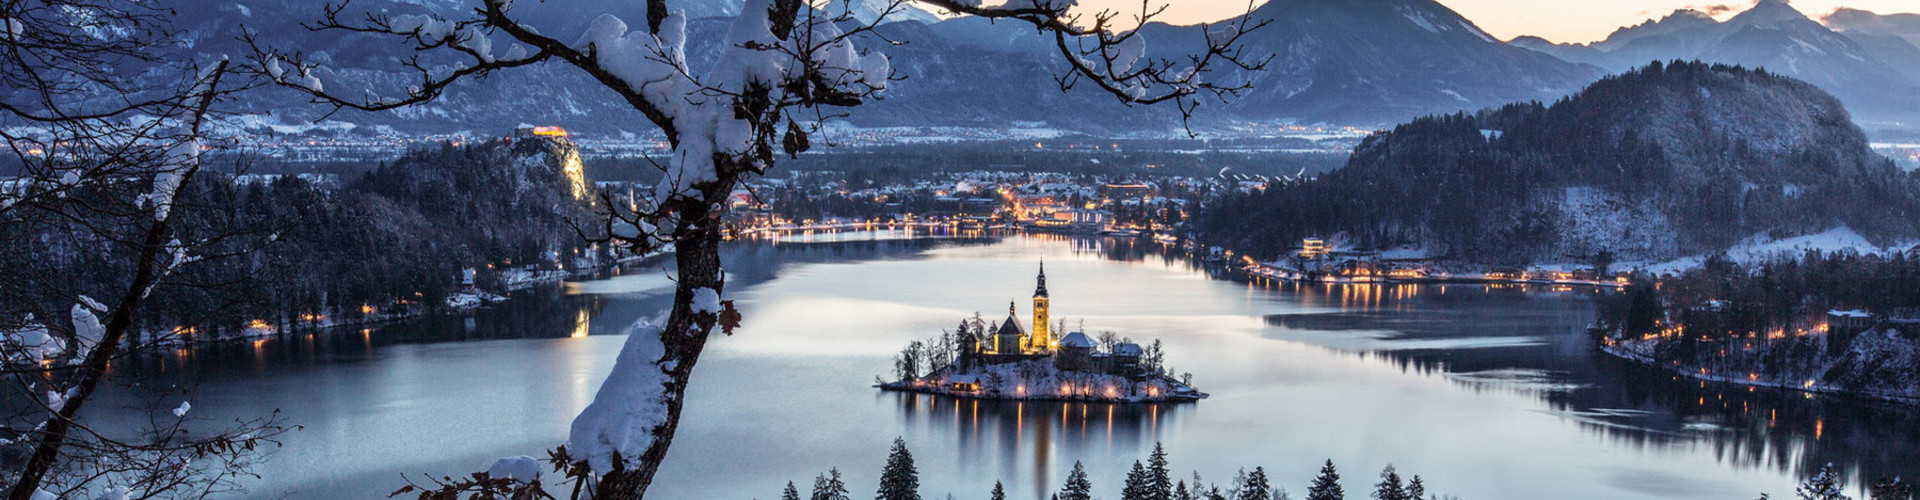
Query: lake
[1487, 392]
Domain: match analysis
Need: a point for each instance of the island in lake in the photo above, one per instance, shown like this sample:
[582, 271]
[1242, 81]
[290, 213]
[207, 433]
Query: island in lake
[1003, 360]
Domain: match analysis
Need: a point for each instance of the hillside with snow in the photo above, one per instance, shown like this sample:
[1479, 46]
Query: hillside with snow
[1664, 163]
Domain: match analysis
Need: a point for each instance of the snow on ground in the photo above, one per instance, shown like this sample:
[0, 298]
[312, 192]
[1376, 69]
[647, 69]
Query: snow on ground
[520, 468]
[1406, 253]
[1760, 248]
[258, 122]
[1039, 379]
[1596, 221]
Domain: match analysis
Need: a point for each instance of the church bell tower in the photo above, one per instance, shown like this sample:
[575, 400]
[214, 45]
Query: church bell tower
[1042, 341]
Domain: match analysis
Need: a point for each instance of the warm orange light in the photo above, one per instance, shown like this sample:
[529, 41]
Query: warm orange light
[550, 131]
[258, 323]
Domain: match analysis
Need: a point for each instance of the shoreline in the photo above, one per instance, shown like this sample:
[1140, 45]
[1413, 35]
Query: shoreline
[479, 300]
[1809, 389]
[940, 391]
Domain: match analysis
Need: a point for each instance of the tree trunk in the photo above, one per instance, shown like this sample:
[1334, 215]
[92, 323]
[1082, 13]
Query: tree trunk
[147, 272]
[94, 370]
[697, 255]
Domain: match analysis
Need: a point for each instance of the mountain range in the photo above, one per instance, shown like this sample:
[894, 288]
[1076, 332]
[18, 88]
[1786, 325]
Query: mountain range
[1341, 62]
[1865, 62]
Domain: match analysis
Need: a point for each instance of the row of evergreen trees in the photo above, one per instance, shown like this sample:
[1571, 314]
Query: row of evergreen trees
[900, 480]
[1152, 480]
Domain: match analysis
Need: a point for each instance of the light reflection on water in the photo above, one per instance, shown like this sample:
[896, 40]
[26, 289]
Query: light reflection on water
[1487, 392]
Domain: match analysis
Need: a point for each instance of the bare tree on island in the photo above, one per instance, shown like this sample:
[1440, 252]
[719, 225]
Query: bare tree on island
[785, 68]
[89, 230]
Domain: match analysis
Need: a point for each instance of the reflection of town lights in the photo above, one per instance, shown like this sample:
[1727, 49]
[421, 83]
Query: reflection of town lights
[580, 323]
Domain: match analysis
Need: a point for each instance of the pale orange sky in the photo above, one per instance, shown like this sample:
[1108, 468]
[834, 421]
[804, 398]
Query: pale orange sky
[1557, 20]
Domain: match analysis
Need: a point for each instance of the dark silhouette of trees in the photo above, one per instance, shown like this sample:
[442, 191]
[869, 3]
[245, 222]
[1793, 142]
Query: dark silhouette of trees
[899, 480]
[1326, 486]
[1077, 487]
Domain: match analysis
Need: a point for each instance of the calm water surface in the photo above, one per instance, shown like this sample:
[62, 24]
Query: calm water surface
[1488, 393]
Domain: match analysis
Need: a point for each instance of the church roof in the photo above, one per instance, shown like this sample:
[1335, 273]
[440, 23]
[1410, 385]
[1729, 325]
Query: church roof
[1011, 326]
[1077, 339]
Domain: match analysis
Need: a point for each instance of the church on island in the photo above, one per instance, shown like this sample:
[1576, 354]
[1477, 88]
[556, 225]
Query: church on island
[1010, 360]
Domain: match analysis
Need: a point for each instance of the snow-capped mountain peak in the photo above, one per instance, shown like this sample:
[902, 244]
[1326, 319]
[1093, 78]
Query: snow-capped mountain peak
[1769, 13]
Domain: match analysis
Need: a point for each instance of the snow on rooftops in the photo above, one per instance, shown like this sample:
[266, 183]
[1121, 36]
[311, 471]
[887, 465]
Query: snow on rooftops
[1126, 349]
[1077, 339]
[1852, 313]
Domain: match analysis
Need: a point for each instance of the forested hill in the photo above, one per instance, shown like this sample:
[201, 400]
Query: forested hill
[394, 239]
[1663, 161]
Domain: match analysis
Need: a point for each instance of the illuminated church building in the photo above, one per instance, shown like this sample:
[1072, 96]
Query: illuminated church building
[1009, 340]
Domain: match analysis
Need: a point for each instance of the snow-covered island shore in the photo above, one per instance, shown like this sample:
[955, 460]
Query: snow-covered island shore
[1040, 379]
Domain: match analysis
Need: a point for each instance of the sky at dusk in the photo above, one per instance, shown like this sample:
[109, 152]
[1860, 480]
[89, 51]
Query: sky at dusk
[1557, 20]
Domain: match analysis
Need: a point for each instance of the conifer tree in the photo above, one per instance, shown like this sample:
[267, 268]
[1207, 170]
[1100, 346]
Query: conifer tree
[1078, 487]
[899, 480]
[1138, 485]
[1180, 491]
[1389, 487]
[1416, 490]
[829, 486]
[1824, 485]
[791, 493]
[1326, 486]
[1256, 486]
[1162, 482]
[999, 491]
[1891, 489]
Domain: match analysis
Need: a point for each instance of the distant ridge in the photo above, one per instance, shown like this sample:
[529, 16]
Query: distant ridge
[1358, 62]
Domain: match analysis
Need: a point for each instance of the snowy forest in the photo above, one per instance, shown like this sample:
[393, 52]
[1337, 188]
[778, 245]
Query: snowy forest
[1820, 322]
[1690, 158]
[308, 249]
